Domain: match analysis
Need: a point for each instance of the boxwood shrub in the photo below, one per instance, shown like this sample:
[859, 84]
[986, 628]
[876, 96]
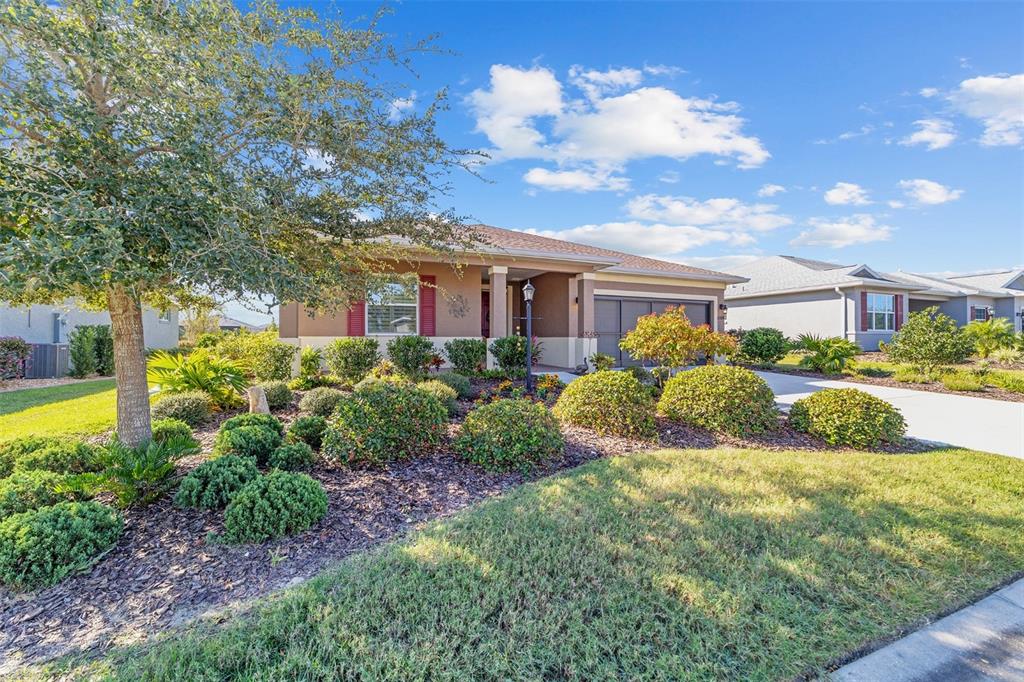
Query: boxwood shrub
[442, 391]
[12, 451]
[321, 401]
[608, 402]
[256, 442]
[460, 383]
[267, 421]
[466, 355]
[383, 422]
[722, 398]
[308, 429]
[278, 504]
[25, 490]
[509, 434]
[167, 429]
[191, 407]
[292, 457]
[351, 358]
[763, 345]
[278, 394]
[62, 458]
[41, 546]
[848, 416]
[212, 484]
[411, 354]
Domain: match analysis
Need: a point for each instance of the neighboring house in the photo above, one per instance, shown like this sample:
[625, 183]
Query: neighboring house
[229, 324]
[586, 298]
[857, 302]
[49, 324]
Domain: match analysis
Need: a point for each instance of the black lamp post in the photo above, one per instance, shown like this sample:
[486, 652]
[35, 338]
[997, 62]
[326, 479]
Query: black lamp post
[528, 290]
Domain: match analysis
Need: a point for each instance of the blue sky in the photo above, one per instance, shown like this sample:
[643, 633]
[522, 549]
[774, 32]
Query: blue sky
[890, 134]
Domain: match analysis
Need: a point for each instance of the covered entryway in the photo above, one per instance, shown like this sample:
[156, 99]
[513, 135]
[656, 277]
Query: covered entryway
[615, 316]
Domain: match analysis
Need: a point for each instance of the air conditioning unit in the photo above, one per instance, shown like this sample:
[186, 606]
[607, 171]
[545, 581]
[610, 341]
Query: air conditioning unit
[47, 361]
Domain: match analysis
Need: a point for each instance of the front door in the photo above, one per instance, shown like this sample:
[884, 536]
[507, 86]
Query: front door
[615, 316]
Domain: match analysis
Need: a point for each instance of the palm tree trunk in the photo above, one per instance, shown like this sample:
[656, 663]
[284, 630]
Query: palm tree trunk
[133, 425]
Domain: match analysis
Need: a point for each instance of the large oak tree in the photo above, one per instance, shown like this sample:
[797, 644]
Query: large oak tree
[156, 150]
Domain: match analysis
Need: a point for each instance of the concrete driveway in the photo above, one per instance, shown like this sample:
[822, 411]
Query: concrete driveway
[977, 423]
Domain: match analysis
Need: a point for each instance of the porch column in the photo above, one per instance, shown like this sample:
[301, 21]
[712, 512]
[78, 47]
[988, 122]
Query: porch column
[586, 338]
[499, 305]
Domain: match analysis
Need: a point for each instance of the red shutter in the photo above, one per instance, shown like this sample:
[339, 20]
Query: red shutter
[863, 311]
[899, 311]
[970, 314]
[428, 307]
[357, 319]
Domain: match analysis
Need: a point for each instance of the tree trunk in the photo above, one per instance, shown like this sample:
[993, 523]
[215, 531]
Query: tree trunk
[133, 425]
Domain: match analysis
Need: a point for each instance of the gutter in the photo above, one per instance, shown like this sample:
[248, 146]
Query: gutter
[842, 299]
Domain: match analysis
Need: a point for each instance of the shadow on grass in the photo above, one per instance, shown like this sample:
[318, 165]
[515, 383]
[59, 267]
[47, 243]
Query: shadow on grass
[666, 565]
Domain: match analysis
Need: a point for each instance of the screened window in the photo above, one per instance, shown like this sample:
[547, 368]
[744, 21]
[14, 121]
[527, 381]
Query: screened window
[981, 314]
[392, 310]
[881, 312]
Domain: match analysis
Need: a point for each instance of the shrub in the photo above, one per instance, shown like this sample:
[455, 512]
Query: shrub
[278, 394]
[60, 458]
[608, 402]
[278, 504]
[262, 355]
[461, 384]
[310, 374]
[910, 375]
[643, 375]
[167, 429]
[847, 416]
[14, 355]
[466, 355]
[82, 351]
[372, 379]
[929, 339]
[321, 401]
[191, 407]
[601, 361]
[212, 484]
[1007, 356]
[445, 394]
[309, 430]
[267, 421]
[509, 434]
[723, 398]
[352, 358]
[988, 335]
[829, 355]
[382, 422]
[41, 546]
[256, 442]
[962, 381]
[103, 347]
[411, 354]
[510, 354]
[221, 379]
[27, 490]
[1008, 382]
[12, 451]
[668, 339]
[763, 345]
[292, 457]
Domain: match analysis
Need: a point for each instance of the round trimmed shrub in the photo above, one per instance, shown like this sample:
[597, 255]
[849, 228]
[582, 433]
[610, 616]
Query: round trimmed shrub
[384, 422]
[309, 430]
[460, 383]
[608, 402]
[191, 407]
[372, 379]
[321, 401]
[41, 546]
[167, 429]
[442, 391]
[12, 451]
[256, 442]
[272, 506]
[63, 458]
[351, 358]
[267, 421]
[25, 490]
[763, 345]
[278, 394]
[212, 484]
[292, 457]
[722, 398]
[509, 434]
[848, 416]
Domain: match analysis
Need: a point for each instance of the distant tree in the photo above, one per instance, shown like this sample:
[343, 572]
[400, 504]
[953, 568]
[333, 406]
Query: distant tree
[155, 150]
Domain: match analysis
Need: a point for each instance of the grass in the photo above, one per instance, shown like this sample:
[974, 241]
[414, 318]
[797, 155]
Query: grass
[696, 565]
[79, 409]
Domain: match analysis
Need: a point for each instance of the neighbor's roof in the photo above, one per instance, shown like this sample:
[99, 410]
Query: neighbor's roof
[998, 282]
[779, 274]
[514, 242]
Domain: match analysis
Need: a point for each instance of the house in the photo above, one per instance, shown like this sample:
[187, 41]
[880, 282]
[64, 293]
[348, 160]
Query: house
[52, 324]
[860, 303]
[586, 298]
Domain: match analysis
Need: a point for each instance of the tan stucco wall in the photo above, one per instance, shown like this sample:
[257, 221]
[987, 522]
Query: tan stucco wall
[551, 306]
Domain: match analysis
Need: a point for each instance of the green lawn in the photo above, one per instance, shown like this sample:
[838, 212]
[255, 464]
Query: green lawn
[695, 564]
[84, 408]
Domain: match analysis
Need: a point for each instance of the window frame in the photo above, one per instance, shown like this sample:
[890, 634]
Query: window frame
[980, 309]
[416, 308]
[889, 314]
[164, 316]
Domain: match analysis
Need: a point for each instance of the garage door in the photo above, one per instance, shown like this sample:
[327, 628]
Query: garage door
[614, 316]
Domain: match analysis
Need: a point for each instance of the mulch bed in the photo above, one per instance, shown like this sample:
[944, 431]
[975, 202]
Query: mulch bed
[991, 392]
[164, 571]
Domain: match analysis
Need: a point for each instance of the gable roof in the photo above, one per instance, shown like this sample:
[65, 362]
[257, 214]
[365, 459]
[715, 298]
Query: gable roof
[998, 282]
[513, 242]
[778, 274]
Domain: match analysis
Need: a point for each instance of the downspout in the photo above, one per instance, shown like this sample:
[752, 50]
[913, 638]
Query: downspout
[842, 298]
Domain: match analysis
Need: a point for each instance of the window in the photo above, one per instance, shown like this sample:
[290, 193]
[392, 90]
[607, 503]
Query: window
[165, 316]
[980, 313]
[392, 310]
[881, 312]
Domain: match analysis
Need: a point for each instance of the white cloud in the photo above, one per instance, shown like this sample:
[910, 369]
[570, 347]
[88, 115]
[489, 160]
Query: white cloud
[669, 177]
[770, 190]
[848, 135]
[929, 192]
[731, 213]
[847, 193]
[575, 180]
[928, 92]
[663, 70]
[653, 240]
[996, 101]
[400, 106]
[836, 234]
[936, 133]
[596, 84]
[895, 203]
[505, 113]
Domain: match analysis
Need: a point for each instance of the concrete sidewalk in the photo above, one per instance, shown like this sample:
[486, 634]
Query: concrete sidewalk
[984, 641]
